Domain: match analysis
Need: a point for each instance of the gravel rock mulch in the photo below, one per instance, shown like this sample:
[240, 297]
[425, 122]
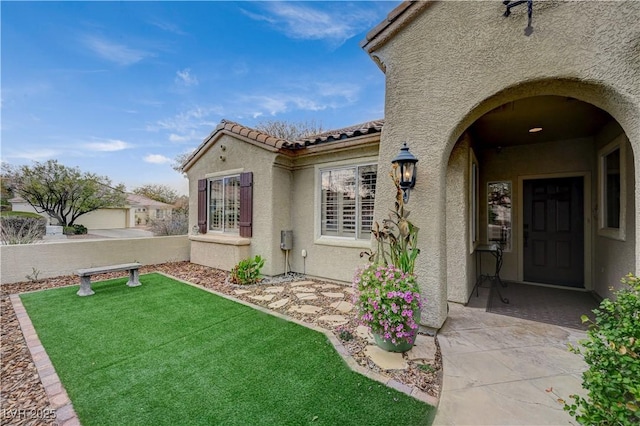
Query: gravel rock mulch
[21, 389]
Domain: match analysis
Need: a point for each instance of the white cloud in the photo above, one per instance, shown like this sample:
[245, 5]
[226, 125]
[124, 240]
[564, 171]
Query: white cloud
[336, 22]
[185, 78]
[157, 159]
[317, 97]
[114, 52]
[108, 145]
[168, 26]
[38, 154]
[188, 126]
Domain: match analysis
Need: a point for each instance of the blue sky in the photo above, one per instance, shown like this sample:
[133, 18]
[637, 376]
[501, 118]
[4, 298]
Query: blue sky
[121, 88]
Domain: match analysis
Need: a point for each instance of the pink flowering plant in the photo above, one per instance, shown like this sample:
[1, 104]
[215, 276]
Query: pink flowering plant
[386, 291]
[388, 302]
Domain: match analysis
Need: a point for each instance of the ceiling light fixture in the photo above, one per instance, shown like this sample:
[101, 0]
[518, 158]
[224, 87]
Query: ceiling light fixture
[535, 129]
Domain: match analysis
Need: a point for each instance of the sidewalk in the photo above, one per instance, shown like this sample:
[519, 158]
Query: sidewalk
[500, 370]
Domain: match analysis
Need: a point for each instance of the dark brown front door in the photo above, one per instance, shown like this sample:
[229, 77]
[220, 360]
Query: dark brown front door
[554, 231]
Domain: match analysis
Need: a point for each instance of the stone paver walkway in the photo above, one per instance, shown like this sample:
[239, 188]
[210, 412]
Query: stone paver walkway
[330, 306]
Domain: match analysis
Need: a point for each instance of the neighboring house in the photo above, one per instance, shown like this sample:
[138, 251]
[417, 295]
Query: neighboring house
[146, 209]
[137, 211]
[533, 141]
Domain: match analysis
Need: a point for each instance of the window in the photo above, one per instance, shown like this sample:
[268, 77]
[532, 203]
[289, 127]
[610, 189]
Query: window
[499, 214]
[224, 204]
[347, 199]
[612, 189]
[159, 214]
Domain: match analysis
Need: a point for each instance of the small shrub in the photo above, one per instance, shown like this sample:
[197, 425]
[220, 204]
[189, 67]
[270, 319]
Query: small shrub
[612, 352]
[247, 271]
[79, 229]
[33, 276]
[345, 335]
[177, 224]
[426, 368]
[69, 230]
[22, 229]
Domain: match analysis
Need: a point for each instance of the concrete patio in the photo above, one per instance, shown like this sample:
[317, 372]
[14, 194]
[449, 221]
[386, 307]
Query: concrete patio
[500, 370]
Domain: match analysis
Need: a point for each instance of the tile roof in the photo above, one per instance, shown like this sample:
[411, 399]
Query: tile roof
[253, 134]
[141, 200]
[260, 138]
[340, 134]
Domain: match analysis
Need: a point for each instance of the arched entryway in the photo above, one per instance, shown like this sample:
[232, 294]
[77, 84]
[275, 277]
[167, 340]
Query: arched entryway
[550, 178]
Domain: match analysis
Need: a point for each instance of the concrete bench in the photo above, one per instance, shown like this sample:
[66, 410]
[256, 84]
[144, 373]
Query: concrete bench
[85, 276]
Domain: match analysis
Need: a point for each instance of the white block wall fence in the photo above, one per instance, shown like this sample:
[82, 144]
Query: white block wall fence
[66, 257]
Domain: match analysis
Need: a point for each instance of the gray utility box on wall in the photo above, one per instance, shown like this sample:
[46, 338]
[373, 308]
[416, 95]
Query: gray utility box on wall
[286, 240]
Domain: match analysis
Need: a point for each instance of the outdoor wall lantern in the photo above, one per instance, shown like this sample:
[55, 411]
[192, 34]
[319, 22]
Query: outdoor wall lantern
[406, 163]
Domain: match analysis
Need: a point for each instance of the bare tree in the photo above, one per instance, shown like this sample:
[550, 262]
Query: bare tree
[163, 193]
[289, 130]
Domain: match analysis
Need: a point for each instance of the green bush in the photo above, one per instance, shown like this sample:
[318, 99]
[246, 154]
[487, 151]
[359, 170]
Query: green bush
[80, 229]
[22, 229]
[74, 230]
[612, 352]
[247, 271]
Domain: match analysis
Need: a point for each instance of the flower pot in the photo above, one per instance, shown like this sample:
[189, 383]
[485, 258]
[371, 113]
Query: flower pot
[389, 346]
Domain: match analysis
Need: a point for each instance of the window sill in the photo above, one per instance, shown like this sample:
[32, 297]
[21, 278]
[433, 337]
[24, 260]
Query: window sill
[613, 233]
[343, 242]
[230, 240]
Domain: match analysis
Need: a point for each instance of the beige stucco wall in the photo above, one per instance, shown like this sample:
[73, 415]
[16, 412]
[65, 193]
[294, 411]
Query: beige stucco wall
[460, 277]
[242, 156]
[458, 60]
[332, 258]
[615, 258]
[97, 219]
[55, 258]
[104, 219]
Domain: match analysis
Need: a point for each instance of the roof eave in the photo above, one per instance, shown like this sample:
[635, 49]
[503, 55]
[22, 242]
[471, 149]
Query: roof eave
[397, 19]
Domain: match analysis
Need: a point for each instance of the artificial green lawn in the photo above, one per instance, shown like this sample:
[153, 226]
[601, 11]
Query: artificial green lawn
[169, 353]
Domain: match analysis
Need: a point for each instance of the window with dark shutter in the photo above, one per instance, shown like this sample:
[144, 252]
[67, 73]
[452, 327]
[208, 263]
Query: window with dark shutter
[246, 203]
[202, 206]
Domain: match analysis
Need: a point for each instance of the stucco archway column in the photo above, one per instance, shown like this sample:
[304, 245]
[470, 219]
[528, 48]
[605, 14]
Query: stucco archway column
[427, 205]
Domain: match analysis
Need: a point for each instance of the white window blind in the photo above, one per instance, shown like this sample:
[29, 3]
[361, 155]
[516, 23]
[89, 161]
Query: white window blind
[224, 204]
[347, 197]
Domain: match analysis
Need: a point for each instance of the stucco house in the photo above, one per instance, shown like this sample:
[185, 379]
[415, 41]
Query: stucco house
[145, 209]
[247, 187]
[527, 131]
